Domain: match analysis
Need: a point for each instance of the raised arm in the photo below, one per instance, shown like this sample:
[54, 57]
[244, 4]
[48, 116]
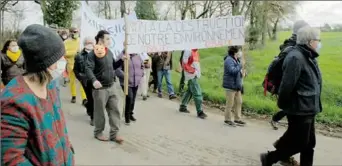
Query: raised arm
[231, 67]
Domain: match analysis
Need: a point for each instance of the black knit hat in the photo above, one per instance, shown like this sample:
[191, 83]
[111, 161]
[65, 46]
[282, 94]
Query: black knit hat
[41, 47]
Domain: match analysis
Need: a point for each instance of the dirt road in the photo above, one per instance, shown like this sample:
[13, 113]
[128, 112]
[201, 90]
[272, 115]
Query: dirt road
[163, 136]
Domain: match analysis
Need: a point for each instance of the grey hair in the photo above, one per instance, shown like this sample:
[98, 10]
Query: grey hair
[87, 39]
[306, 34]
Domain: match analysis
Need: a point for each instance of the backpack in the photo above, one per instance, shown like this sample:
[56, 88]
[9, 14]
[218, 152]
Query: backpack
[274, 73]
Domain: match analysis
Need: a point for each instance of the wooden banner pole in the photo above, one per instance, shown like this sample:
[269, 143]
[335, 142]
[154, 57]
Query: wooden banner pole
[126, 67]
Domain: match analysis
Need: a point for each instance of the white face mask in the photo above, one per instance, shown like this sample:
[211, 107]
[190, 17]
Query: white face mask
[239, 54]
[61, 64]
[14, 49]
[64, 36]
[89, 47]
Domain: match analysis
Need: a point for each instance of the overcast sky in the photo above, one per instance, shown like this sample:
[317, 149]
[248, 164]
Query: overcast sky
[315, 13]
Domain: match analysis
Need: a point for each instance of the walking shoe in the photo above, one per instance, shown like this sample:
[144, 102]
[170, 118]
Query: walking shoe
[202, 115]
[132, 118]
[240, 122]
[263, 159]
[84, 102]
[73, 99]
[160, 95]
[148, 96]
[274, 125]
[144, 98]
[101, 137]
[184, 110]
[172, 97]
[289, 162]
[127, 121]
[117, 139]
[230, 123]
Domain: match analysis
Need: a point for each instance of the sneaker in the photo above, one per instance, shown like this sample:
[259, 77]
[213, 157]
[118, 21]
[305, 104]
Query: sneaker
[240, 122]
[127, 121]
[117, 139]
[184, 110]
[73, 99]
[160, 95]
[274, 125]
[289, 162]
[263, 159]
[230, 123]
[144, 98]
[148, 96]
[132, 118]
[172, 97]
[202, 115]
[84, 102]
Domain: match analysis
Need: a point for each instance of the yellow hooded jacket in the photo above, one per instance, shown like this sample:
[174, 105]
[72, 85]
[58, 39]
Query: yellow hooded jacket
[72, 47]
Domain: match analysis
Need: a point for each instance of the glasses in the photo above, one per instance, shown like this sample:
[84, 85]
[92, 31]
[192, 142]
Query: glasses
[74, 31]
[317, 40]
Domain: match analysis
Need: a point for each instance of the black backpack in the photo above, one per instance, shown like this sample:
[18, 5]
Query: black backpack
[274, 73]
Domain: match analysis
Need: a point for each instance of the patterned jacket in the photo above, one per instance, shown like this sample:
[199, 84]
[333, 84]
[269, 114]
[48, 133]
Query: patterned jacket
[33, 130]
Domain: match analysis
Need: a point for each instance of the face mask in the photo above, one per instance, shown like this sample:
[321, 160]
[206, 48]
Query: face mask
[61, 64]
[74, 36]
[319, 46]
[89, 47]
[239, 54]
[14, 49]
[64, 37]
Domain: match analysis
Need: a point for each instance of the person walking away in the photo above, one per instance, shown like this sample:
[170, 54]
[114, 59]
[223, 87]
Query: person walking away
[79, 70]
[72, 48]
[147, 72]
[154, 81]
[192, 72]
[33, 129]
[182, 79]
[100, 69]
[12, 61]
[287, 43]
[300, 97]
[164, 66]
[232, 83]
[135, 75]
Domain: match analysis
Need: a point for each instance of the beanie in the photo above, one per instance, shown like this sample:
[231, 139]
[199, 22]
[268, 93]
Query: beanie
[41, 47]
[299, 24]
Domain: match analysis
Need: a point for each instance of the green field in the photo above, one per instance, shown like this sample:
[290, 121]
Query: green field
[330, 61]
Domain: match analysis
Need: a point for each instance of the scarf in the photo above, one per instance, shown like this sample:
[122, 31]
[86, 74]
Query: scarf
[13, 56]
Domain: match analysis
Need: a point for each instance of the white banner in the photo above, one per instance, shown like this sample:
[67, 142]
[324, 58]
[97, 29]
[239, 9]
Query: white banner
[156, 36]
[91, 24]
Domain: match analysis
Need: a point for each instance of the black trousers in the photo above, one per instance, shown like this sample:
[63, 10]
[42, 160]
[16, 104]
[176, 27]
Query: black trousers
[88, 89]
[154, 81]
[130, 101]
[278, 116]
[181, 83]
[299, 137]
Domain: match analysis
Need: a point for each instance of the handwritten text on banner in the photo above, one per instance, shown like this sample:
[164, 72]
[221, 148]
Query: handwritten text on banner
[156, 36]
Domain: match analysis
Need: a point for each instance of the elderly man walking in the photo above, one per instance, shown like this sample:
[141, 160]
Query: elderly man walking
[300, 98]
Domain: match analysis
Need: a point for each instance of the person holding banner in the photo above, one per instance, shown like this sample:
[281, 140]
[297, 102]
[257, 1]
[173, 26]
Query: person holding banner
[72, 48]
[135, 76]
[164, 66]
[147, 72]
[192, 72]
[100, 71]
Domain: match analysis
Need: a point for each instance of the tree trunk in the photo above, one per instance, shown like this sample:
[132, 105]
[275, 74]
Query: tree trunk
[275, 29]
[122, 8]
[235, 7]
[269, 31]
[264, 23]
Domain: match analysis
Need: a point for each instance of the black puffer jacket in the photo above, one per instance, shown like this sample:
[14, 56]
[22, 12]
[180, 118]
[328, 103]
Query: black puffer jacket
[301, 85]
[79, 67]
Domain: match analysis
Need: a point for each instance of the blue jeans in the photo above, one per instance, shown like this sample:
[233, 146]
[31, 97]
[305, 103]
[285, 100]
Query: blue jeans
[161, 74]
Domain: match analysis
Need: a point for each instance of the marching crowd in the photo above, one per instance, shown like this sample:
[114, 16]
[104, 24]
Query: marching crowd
[33, 129]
